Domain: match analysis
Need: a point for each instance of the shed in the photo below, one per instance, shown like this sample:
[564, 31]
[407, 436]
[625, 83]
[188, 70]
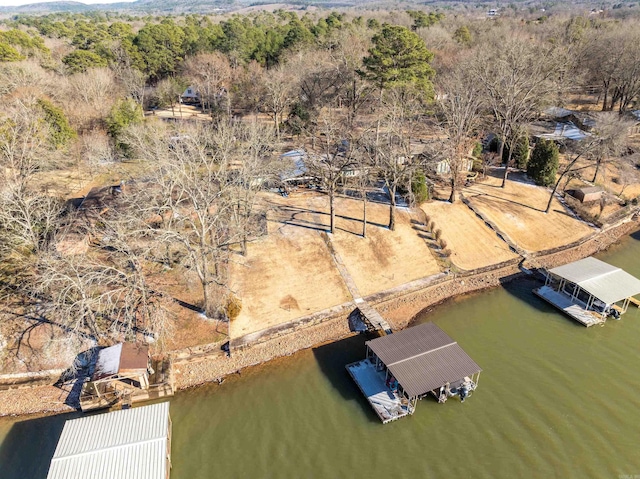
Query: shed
[126, 360]
[130, 443]
[125, 373]
[588, 194]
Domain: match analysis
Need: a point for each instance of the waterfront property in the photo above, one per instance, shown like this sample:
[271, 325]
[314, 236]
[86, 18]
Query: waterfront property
[403, 367]
[589, 290]
[125, 374]
[131, 443]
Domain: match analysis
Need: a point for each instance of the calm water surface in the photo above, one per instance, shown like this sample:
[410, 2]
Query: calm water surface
[555, 400]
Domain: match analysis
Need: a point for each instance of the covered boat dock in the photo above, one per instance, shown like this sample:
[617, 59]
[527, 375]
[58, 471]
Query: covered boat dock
[589, 290]
[127, 444]
[403, 367]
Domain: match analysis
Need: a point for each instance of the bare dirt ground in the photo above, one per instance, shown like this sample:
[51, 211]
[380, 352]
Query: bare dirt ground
[291, 273]
[473, 244]
[384, 259]
[288, 274]
[518, 210]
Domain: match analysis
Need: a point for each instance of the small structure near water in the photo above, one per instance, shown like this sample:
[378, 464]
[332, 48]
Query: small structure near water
[131, 443]
[589, 290]
[403, 367]
[125, 374]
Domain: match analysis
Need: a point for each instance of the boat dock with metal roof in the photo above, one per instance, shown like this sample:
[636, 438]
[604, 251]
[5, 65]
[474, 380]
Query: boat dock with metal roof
[589, 290]
[125, 444]
[403, 367]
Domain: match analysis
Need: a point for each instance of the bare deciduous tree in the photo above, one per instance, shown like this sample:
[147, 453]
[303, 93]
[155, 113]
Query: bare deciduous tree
[518, 80]
[460, 99]
[331, 156]
[210, 74]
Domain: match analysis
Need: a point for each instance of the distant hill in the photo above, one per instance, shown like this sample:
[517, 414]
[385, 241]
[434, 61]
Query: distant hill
[172, 6]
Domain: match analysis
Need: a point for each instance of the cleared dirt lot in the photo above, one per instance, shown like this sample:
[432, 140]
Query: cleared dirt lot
[287, 274]
[291, 273]
[518, 210]
[384, 259]
[474, 244]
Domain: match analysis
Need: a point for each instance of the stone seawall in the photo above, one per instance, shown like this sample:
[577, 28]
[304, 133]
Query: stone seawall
[399, 306]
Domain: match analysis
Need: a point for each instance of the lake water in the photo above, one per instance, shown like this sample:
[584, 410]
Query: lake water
[555, 399]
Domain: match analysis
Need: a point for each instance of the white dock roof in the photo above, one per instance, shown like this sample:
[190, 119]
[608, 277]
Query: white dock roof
[126, 444]
[604, 281]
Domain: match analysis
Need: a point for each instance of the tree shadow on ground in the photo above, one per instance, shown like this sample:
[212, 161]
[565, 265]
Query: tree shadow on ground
[332, 359]
[482, 197]
[75, 376]
[27, 450]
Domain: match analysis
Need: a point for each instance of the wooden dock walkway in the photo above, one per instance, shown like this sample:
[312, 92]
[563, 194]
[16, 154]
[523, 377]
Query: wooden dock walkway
[368, 314]
[387, 404]
[572, 309]
[372, 317]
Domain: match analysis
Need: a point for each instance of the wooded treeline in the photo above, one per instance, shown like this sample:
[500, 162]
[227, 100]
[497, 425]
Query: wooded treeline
[379, 99]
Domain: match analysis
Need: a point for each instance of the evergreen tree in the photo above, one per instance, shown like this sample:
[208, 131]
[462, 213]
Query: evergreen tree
[79, 60]
[399, 57]
[60, 132]
[543, 163]
[124, 113]
[520, 154]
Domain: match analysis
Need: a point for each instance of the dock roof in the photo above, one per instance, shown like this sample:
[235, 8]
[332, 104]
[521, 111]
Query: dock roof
[423, 358]
[608, 283]
[131, 443]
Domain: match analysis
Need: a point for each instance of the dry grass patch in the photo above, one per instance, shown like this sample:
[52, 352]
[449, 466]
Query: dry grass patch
[518, 210]
[286, 275]
[474, 244]
[384, 259]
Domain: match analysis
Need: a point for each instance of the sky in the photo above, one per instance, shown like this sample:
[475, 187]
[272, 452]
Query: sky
[13, 3]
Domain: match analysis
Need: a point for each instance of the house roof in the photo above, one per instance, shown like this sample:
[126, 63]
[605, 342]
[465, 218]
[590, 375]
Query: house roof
[298, 167]
[423, 358]
[565, 130]
[131, 443]
[120, 357]
[558, 112]
[608, 283]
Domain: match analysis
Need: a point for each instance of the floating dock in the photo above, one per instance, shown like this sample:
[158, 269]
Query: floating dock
[403, 367]
[387, 404]
[589, 290]
[574, 309]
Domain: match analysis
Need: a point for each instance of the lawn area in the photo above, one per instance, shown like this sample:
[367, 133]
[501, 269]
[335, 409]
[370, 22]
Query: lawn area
[518, 210]
[472, 242]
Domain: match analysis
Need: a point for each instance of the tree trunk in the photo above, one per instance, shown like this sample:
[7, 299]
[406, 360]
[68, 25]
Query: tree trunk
[364, 213]
[392, 209]
[332, 211]
[506, 168]
[595, 175]
[553, 192]
[452, 197]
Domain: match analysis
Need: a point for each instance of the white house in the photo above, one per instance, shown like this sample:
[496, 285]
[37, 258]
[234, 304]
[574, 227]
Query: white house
[190, 95]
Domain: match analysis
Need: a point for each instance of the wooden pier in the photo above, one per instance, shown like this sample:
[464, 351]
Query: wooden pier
[387, 404]
[573, 309]
[118, 393]
[372, 317]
